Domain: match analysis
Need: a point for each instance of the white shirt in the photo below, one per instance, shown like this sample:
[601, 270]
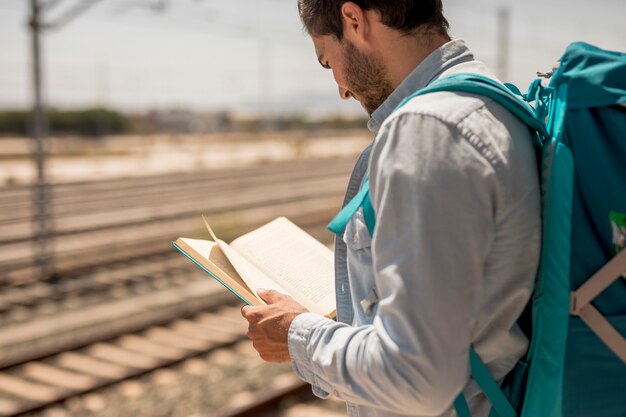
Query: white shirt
[454, 184]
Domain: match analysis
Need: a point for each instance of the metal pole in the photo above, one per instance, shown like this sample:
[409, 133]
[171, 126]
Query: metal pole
[42, 221]
[266, 105]
[42, 192]
[503, 43]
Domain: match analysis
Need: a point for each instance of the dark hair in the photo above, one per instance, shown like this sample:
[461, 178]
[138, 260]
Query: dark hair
[323, 17]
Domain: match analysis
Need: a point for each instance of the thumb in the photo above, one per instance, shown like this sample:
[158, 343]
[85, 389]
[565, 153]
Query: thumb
[269, 296]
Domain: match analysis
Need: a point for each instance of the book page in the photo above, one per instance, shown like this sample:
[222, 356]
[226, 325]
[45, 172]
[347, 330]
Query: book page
[254, 277]
[295, 260]
[212, 252]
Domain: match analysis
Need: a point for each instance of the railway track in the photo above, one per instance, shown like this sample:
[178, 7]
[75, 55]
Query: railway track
[140, 223]
[46, 362]
[101, 197]
[139, 337]
[109, 262]
[109, 280]
[102, 303]
[197, 344]
[51, 380]
[227, 381]
[124, 305]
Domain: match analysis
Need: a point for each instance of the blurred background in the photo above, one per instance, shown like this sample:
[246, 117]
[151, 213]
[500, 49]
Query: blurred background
[121, 121]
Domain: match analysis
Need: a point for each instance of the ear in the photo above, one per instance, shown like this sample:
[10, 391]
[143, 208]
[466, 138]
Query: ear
[355, 23]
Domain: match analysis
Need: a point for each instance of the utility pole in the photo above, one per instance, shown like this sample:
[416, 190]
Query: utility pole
[42, 210]
[266, 104]
[502, 37]
[43, 229]
[102, 84]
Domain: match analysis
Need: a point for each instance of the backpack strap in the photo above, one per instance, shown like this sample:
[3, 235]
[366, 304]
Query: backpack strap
[467, 83]
[487, 87]
[581, 304]
[490, 387]
[340, 221]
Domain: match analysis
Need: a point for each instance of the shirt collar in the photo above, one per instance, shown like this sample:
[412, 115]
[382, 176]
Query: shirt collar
[431, 68]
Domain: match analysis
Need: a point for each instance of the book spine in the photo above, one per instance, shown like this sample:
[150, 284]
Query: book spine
[181, 250]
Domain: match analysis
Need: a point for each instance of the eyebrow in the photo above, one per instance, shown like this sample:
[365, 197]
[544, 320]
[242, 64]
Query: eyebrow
[319, 59]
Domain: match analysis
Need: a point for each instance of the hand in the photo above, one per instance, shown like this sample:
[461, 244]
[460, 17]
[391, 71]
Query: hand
[269, 325]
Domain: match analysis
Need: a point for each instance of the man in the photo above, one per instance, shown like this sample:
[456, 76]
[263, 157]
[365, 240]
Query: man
[451, 264]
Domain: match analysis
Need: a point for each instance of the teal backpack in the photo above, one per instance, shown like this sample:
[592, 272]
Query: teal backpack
[576, 362]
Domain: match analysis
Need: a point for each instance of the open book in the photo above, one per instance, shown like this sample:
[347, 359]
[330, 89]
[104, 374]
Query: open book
[278, 256]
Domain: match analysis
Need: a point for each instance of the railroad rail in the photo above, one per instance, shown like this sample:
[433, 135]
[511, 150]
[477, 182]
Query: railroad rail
[38, 384]
[126, 304]
[120, 342]
[139, 218]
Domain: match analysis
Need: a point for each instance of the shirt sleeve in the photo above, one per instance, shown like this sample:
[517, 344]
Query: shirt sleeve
[433, 195]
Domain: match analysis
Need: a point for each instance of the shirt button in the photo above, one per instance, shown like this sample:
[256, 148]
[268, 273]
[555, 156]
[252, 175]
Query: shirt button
[336, 393]
[355, 238]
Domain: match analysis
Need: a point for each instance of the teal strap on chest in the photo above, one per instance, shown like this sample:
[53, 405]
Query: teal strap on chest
[339, 223]
[368, 214]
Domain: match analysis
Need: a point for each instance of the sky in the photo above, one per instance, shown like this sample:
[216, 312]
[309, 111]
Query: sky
[252, 55]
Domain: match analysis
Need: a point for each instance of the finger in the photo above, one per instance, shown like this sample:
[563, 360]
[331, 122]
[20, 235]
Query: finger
[270, 296]
[250, 313]
[251, 333]
[275, 357]
[253, 313]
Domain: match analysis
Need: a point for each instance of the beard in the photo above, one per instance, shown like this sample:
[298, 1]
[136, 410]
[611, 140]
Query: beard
[366, 79]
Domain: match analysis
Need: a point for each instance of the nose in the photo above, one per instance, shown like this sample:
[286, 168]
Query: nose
[344, 93]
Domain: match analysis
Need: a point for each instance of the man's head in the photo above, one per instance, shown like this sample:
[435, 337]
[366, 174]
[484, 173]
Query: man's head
[371, 45]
